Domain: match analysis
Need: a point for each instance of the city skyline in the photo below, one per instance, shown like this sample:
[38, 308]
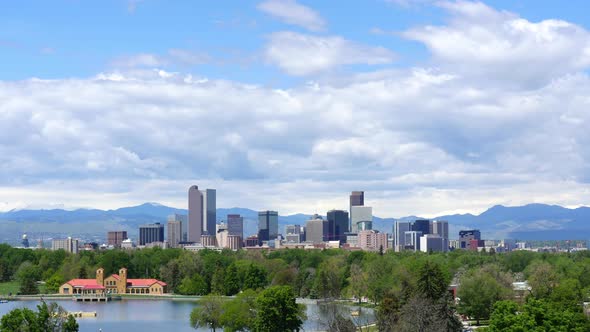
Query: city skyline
[434, 107]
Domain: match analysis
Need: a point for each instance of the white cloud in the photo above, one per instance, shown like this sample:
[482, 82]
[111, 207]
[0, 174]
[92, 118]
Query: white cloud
[292, 12]
[498, 45]
[301, 54]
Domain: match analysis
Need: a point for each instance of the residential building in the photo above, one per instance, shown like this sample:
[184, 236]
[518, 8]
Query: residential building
[358, 214]
[337, 226]
[195, 215]
[69, 245]
[183, 219]
[235, 225]
[113, 284]
[268, 226]
[372, 240]
[315, 229]
[357, 198]
[115, 238]
[209, 211]
[151, 233]
[174, 232]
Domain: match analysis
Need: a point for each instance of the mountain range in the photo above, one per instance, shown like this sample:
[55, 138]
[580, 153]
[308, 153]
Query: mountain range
[528, 222]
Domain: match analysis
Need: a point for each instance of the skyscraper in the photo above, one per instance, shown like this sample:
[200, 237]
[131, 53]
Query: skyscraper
[209, 211]
[195, 214]
[357, 198]
[421, 225]
[358, 214]
[115, 238]
[183, 219]
[151, 233]
[268, 226]
[441, 228]
[315, 229]
[235, 225]
[337, 225]
[399, 240]
[174, 232]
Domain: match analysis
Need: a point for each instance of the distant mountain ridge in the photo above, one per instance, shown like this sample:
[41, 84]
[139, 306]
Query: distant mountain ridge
[538, 221]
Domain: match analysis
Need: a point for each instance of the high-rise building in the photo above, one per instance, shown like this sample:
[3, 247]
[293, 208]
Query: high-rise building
[195, 214]
[441, 228]
[151, 233]
[115, 238]
[432, 243]
[357, 198]
[337, 226]
[412, 240]
[174, 233]
[360, 213]
[268, 226]
[421, 225]
[235, 225]
[69, 245]
[183, 219]
[294, 234]
[400, 228]
[470, 239]
[209, 211]
[315, 228]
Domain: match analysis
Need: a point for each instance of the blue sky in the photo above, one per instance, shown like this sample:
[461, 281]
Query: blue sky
[431, 107]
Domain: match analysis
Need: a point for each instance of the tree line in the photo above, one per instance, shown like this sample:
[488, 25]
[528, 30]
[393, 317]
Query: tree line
[405, 287]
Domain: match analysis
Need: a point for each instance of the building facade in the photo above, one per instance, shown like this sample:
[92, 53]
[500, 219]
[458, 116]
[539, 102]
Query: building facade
[467, 237]
[113, 284]
[315, 229]
[195, 215]
[337, 225]
[183, 219]
[432, 243]
[358, 214]
[151, 233]
[372, 240]
[115, 238]
[174, 233]
[69, 245]
[268, 226]
[235, 225]
[209, 211]
[357, 198]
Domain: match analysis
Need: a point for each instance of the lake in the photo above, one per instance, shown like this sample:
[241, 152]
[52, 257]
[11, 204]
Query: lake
[163, 315]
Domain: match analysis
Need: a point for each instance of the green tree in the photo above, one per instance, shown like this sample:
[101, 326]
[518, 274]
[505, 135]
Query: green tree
[54, 282]
[193, 286]
[208, 313]
[277, 311]
[431, 281]
[542, 279]
[231, 281]
[478, 292]
[239, 313]
[27, 276]
[388, 313]
[255, 277]
[48, 318]
[20, 319]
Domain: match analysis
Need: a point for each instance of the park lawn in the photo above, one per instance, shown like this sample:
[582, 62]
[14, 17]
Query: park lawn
[9, 287]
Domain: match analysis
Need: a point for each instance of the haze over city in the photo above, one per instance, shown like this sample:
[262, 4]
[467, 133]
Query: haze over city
[434, 107]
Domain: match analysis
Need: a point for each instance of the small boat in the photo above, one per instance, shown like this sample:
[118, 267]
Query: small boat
[3, 301]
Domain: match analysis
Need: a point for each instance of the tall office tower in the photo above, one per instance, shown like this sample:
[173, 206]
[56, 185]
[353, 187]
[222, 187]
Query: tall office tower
[357, 198]
[209, 211]
[183, 219]
[337, 225]
[421, 225]
[358, 214]
[69, 245]
[268, 226]
[115, 238]
[412, 240]
[315, 228]
[195, 214]
[151, 233]
[441, 228]
[174, 233]
[399, 230]
[235, 225]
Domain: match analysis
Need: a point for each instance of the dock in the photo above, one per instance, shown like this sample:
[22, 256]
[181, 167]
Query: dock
[83, 314]
[92, 298]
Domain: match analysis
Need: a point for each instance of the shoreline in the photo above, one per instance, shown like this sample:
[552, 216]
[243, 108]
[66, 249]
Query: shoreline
[171, 297]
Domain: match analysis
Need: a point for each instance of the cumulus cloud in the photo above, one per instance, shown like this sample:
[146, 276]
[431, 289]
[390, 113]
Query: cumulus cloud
[292, 12]
[301, 54]
[491, 44]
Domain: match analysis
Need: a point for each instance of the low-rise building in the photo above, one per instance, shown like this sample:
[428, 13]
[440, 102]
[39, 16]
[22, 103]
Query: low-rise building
[113, 284]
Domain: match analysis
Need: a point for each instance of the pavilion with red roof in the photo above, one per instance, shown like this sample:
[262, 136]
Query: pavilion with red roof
[114, 284]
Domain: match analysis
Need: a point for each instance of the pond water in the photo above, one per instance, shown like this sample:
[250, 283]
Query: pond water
[167, 315]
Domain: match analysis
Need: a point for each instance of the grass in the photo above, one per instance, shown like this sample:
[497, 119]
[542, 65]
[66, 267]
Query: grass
[9, 287]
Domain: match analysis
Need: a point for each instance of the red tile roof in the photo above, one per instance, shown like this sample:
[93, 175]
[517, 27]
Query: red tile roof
[116, 276]
[144, 282]
[85, 283]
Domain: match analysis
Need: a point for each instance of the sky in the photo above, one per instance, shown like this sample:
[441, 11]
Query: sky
[430, 107]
